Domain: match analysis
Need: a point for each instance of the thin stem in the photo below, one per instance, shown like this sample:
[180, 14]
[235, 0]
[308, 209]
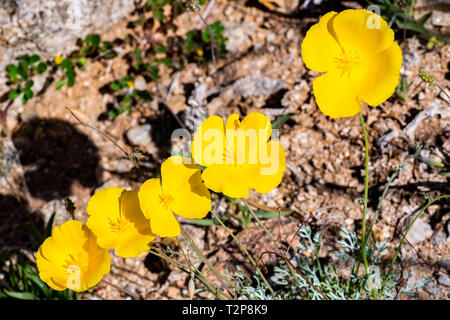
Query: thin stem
[198, 274]
[383, 195]
[394, 259]
[90, 124]
[220, 276]
[278, 245]
[366, 194]
[241, 246]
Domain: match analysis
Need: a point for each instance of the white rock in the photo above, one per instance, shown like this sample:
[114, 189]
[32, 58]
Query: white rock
[419, 232]
[139, 136]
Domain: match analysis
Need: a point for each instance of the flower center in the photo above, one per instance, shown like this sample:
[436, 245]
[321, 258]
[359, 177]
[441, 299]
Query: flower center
[77, 263]
[347, 62]
[119, 225]
[165, 200]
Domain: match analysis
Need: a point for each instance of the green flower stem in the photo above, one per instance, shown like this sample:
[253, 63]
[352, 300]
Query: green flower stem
[184, 268]
[394, 259]
[277, 244]
[241, 246]
[366, 194]
[220, 276]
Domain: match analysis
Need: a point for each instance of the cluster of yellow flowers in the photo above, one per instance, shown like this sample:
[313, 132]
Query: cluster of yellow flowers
[361, 61]
[76, 255]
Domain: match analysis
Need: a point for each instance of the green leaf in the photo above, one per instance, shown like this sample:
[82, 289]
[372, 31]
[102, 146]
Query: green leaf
[445, 174]
[93, 39]
[34, 58]
[44, 288]
[82, 61]
[25, 57]
[23, 70]
[126, 101]
[206, 36]
[42, 67]
[28, 93]
[431, 162]
[13, 94]
[159, 15]
[29, 84]
[189, 42]
[60, 84]
[160, 49]
[49, 228]
[271, 215]
[12, 276]
[21, 295]
[209, 222]
[67, 64]
[281, 120]
[115, 86]
[166, 61]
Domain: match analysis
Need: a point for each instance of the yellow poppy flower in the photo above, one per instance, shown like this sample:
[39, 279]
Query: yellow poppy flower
[238, 157]
[181, 191]
[118, 222]
[71, 258]
[59, 59]
[362, 62]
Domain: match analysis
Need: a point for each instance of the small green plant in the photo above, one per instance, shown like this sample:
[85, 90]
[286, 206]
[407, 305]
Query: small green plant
[127, 95]
[20, 75]
[198, 44]
[319, 280]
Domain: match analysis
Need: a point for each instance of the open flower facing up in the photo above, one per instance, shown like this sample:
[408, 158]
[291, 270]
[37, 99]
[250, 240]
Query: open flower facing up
[181, 191]
[71, 258]
[238, 156]
[118, 222]
[362, 62]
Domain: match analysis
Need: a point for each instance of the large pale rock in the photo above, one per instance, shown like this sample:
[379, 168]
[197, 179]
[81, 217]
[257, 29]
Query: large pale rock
[51, 27]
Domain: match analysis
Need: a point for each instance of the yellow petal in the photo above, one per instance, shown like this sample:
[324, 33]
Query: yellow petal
[149, 196]
[136, 235]
[208, 144]
[237, 184]
[164, 223]
[362, 32]
[162, 220]
[133, 244]
[380, 76]
[267, 175]
[193, 203]
[99, 262]
[227, 179]
[233, 122]
[335, 95]
[71, 258]
[104, 208]
[319, 46]
[258, 122]
[177, 176]
[131, 210]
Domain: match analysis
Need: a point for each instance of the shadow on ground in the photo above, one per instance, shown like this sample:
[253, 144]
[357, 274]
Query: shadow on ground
[16, 222]
[55, 155]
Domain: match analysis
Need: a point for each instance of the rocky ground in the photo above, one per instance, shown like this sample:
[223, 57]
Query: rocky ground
[263, 71]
